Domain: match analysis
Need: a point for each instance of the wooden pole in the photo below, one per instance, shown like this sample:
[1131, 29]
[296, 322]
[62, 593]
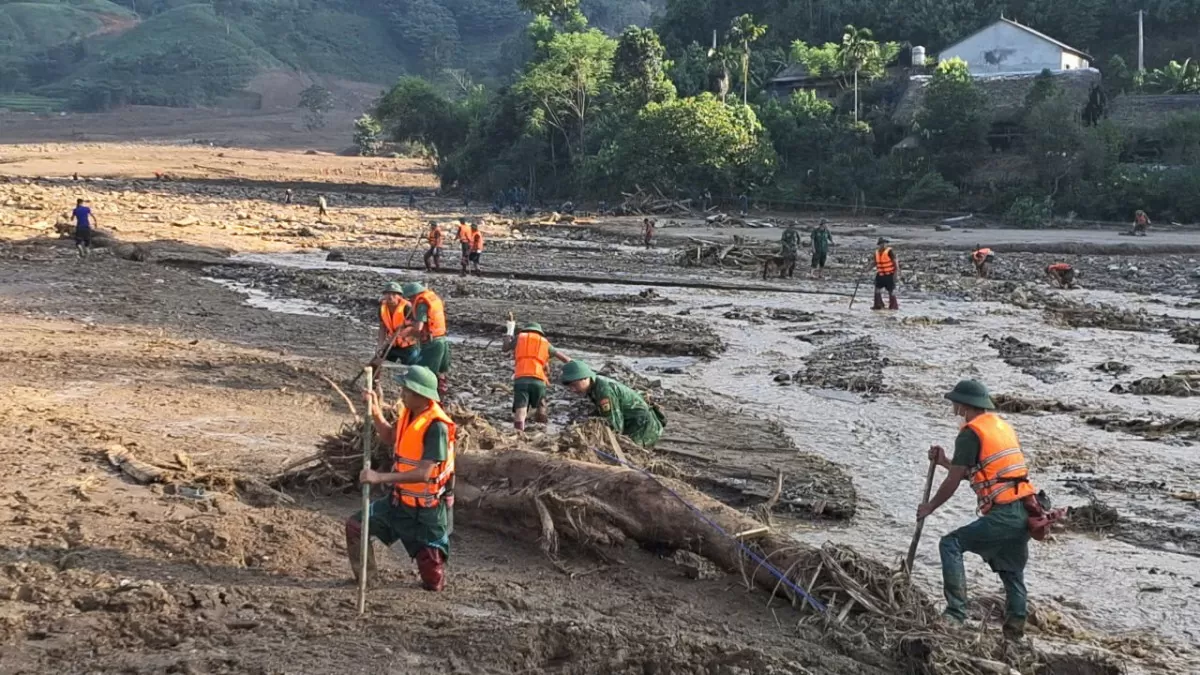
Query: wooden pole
[855, 295]
[912, 548]
[368, 444]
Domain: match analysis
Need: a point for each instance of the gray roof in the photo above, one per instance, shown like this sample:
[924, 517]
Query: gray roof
[1062, 45]
[1005, 92]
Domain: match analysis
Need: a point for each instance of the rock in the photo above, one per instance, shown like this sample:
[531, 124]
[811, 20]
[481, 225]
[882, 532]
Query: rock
[783, 378]
[185, 221]
[943, 228]
[242, 215]
[307, 232]
[335, 256]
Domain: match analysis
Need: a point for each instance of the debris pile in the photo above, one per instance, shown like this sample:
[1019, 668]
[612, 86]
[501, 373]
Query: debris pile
[1015, 403]
[1150, 428]
[853, 365]
[739, 254]
[1182, 384]
[1039, 362]
[643, 203]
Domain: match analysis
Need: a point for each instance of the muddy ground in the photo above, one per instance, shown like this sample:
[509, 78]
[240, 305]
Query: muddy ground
[216, 345]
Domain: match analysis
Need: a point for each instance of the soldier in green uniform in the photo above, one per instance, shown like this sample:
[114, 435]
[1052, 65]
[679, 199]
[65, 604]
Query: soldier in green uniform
[625, 410]
[821, 239]
[790, 241]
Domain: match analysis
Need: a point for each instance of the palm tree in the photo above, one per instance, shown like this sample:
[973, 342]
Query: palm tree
[719, 59]
[857, 49]
[742, 32]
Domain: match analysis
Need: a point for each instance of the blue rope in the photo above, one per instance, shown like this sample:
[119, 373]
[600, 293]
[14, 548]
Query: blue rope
[775, 572]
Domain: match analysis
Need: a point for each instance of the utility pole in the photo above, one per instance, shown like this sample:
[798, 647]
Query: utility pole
[1141, 43]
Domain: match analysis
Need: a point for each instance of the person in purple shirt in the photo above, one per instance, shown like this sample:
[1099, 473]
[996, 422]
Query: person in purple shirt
[84, 221]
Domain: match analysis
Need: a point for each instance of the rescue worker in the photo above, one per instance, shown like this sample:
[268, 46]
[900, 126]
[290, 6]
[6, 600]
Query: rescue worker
[476, 252]
[287, 196]
[464, 241]
[1061, 274]
[531, 372]
[1141, 223]
[437, 239]
[625, 410]
[886, 271]
[322, 206]
[988, 454]
[647, 232]
[428, 326]
[982, 259]
[822, 239]
[789, 242]
[394, 313]
[417, 511]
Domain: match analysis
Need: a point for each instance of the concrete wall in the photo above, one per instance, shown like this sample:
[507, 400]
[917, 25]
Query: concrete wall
[1003, 48]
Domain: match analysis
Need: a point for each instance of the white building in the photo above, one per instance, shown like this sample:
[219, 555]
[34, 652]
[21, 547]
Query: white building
[1008, 47]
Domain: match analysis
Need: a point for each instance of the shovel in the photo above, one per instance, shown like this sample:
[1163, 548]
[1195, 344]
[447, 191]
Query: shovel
[368, 443]
[912, 548]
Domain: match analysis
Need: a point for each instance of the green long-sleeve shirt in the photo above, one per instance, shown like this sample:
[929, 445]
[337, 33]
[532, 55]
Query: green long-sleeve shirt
[821, 239]
[790, 240]
[625, 410]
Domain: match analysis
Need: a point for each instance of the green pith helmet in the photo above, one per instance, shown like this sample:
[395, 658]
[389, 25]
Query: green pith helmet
[972, 393]
[881, 241]
[474, 226]
[533, 328]
[394, 287]
[412, 288]
[422, 382]
[575, 371]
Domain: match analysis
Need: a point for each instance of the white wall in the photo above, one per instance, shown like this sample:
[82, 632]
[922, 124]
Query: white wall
[1003, 48]
[1073, 61]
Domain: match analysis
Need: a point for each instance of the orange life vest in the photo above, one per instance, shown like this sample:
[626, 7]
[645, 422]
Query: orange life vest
[532, 354]
[884, 263]
[477, 242]
[1059, 267]
[464, 234]
[392, 320]
[436, 238]
[1001, 476]
[410, 448]
[981, 253]
[435, 317]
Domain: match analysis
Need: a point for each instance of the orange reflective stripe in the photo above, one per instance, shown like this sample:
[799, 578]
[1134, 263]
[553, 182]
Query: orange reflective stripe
[435, 238]
[477, 242]
[1001, 475]
[532, 356]
[392, 320]
[409, 451]
[435, 315]
[464, 234]
[884, 263]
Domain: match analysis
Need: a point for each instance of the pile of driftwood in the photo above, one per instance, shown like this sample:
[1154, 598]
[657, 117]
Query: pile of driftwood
[643, 203]
[1183, 383]
[740, 254]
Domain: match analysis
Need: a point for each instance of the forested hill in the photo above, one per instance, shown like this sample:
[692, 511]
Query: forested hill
[95, 54]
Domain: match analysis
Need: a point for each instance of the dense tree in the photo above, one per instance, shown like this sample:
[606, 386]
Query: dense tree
[562, 87]
[367, 135]
[690, 145]
[414, 111]
[953, 123]
[639, 68]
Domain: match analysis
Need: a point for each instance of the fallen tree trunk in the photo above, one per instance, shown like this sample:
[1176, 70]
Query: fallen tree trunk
[601, 507]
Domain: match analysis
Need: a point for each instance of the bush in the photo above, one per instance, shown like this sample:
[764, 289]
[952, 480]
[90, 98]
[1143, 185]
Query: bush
[1029, 212]
[932, 192]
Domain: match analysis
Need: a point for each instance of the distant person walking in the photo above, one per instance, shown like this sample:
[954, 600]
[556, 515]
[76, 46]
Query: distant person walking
[464, 242]
[322, 206]
[84, 222]
[887, 268]
[476, 250]
[287, 196]
[437, 240]
[647, 232]
[822, 239]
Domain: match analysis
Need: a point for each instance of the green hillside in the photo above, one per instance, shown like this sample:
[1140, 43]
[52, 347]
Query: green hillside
[191, 52]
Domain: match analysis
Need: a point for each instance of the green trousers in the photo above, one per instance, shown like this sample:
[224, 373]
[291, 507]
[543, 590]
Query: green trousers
[1001, 538]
